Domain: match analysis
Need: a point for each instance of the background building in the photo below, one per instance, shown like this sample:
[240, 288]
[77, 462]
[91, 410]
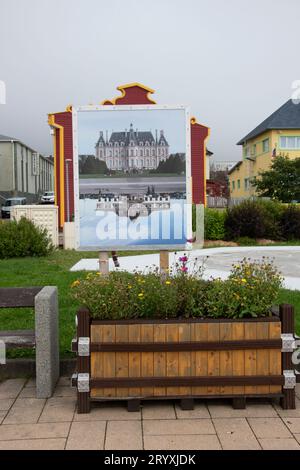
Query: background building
[23, 171]
[132, 149]
[279, 134]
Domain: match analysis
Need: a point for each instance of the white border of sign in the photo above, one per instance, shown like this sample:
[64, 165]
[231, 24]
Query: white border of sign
[109, 108]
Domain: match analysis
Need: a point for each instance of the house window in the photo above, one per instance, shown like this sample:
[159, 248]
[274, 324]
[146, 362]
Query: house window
[291, 142]
[239, 184]
[233, 185]
[265, 145]
[247, 151]
[246, 183]
[253, 151]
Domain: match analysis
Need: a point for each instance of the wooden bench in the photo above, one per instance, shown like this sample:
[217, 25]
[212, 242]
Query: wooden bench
[44, 338]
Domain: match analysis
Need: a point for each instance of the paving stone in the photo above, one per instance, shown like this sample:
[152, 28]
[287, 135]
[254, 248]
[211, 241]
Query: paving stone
[103, 411]
[124, 435]
[279, 444]
[293, 424]
[64, 392]
[2, 415]
[64, 382]
[12, 432]
[252, 410]
[30, 383]
[158, 411]
[11, 388]
[25, 410]
[58, 409]
[200, 411]
[28, 392]
[6, 403]
[33, 444]
[269, 428]
[235, 433]
[178, 427]
[195, 442]
[86, 436]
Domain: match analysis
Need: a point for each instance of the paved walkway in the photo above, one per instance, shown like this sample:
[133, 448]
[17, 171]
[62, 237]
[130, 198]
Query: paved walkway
[218, 263]
[30, 423]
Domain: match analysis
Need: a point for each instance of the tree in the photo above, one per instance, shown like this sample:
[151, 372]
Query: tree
[281, 181]
[91, 165]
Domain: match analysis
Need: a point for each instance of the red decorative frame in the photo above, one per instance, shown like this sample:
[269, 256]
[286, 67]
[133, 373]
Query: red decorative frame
[133, 93]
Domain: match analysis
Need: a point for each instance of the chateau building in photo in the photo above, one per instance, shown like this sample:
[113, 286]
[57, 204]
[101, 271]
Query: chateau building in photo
[132, 149]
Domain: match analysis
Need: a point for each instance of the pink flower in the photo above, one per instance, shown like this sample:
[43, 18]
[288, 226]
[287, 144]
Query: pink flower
[184, 269]
[183, 259]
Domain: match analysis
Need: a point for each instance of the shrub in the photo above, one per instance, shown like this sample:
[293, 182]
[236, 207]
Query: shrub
[290, 222]
[249, 292]
[23, 238]
[246, 241]
[254, 219]
[214, 224]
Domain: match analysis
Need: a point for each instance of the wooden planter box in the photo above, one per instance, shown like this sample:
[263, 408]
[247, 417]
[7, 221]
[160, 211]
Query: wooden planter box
[184, 359]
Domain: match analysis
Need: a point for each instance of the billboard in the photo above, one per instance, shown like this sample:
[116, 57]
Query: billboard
[132, 175]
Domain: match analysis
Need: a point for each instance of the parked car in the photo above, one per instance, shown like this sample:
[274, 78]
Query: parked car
[9, 203]
[47, 197]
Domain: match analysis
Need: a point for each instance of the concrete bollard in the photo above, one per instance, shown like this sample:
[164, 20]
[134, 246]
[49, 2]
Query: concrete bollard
[47, 341]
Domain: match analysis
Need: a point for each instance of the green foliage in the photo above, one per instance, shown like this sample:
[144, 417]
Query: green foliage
[290, 222]
[92, 166]
[281, 181]
[253, 219]
[174, 164]
[23, 238]
[214, 224]
[249, 292]
[246, 241]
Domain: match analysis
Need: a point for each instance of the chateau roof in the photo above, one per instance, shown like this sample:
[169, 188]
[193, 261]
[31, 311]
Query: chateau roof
[139, 136]
[286, 117]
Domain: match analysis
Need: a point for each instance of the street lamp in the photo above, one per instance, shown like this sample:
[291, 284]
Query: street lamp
[67, 161]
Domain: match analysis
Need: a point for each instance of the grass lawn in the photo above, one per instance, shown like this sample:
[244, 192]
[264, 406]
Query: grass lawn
[54, 270]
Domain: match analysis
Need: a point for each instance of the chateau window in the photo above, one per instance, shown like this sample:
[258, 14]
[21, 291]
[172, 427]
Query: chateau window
[101, 153]
[141, 153]
[158, 151]
[131, 153]
[291, 142]
[153, 152]
[147, 153]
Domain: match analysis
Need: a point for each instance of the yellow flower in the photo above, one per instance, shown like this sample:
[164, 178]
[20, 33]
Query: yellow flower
[244, 280]
[99, 274]
[168, 282]
[141, 294]
[129, 286]
[75, 283]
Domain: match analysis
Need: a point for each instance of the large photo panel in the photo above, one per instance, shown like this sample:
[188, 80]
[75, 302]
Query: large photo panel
[132, 177]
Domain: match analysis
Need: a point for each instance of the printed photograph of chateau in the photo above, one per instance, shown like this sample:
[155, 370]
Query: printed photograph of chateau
[132, 178]
[132, 149]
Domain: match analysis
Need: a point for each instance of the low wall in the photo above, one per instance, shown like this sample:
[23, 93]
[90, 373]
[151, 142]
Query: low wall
[43, 216]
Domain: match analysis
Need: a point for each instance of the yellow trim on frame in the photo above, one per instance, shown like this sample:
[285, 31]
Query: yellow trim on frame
[122, 88]
[52, 123]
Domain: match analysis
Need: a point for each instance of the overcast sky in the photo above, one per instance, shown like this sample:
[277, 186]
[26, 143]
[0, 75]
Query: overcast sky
[233, 62]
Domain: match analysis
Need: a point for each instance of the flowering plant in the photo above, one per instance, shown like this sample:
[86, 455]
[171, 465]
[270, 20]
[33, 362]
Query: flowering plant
[250, 291]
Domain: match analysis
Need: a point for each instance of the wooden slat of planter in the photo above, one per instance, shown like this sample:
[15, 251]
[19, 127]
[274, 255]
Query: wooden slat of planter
[213, 366]
[147, 358]
[184, 334]
[250, 356]
[275, 355]
[122, 358]
[262, 355]
[160, 358]
[134, 359]
[225, 356]
[109, 359]
[199, 332]
[238, 357]
[97, 364]
[172, 358]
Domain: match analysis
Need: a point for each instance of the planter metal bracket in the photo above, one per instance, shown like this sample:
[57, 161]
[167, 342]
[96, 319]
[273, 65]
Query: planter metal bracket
[83, 346]
[288, 342]
[83, 383]
[289, 379]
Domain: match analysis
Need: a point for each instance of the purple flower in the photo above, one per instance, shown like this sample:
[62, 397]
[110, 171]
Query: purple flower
[183, 259]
